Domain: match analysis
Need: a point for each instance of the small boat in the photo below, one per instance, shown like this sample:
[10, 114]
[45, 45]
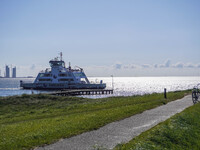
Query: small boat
[59, 77]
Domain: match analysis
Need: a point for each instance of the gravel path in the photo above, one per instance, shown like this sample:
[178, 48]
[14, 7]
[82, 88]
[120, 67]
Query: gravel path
[121, 131]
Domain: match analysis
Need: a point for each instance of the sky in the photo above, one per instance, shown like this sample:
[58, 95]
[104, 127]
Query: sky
[104, 37]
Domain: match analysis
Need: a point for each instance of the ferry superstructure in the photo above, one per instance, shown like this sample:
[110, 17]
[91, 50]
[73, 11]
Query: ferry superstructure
[60, 77]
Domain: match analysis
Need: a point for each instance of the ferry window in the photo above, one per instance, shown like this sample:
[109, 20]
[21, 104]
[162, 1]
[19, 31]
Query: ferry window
[42, 75]
[63, 79]
[47, 75]
[79, 74]
[57, 63]
[66, 80]
[63, 75]
[45, 80]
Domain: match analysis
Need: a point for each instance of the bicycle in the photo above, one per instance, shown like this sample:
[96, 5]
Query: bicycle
[196, 94]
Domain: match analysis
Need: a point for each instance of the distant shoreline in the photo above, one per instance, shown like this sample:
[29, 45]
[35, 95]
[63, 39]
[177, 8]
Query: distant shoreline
[114, 77]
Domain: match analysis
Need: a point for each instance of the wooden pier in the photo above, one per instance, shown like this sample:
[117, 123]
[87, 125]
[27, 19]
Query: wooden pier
[82, 92]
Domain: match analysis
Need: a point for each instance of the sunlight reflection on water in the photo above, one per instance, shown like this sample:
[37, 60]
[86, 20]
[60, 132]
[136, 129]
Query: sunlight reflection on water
[127, 86]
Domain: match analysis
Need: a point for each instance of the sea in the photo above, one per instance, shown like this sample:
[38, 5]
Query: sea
[123, 86]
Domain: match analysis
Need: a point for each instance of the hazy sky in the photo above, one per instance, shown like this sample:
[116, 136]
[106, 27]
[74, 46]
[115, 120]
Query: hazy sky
[123, 38]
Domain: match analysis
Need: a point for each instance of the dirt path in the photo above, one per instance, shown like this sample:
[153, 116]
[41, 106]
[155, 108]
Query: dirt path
[121, 131]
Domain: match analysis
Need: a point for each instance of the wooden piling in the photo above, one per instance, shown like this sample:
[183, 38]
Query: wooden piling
[165, 93]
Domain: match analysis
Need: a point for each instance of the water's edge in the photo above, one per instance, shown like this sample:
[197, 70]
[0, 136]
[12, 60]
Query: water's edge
[123, 86]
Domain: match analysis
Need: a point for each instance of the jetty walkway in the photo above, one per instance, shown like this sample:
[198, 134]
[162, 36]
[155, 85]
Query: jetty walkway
[121, 131]
[76, 92]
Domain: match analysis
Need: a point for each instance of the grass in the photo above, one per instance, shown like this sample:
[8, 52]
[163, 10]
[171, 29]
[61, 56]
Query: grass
[28, 121]
[179, 132]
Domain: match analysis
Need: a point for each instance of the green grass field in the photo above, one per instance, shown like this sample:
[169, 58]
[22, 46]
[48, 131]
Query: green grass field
[181, 131]
[30, 120]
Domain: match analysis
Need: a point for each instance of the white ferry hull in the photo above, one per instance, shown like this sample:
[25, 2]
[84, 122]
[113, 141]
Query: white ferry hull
[55, 86]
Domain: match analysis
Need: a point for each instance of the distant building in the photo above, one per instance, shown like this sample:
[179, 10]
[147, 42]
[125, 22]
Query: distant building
[7, 75]
[14, 72]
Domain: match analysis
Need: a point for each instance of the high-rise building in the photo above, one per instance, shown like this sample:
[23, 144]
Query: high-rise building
[14, 72]
[7, 72]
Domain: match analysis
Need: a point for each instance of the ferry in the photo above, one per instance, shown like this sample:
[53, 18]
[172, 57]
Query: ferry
[59, 77]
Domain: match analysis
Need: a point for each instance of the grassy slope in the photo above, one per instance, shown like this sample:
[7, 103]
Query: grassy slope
[179, 132]
[30, 120]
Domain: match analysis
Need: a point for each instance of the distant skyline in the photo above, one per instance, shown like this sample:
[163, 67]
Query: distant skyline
[8, 71]
[123, 38]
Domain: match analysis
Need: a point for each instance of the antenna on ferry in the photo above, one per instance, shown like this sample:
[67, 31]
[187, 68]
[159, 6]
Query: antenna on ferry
[61, 56]
[69, 66]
